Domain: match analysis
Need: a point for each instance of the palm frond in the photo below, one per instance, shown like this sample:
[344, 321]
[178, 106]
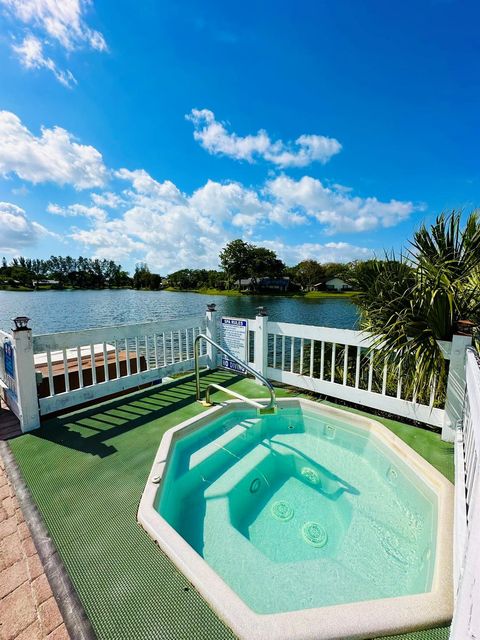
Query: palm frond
[411, 302]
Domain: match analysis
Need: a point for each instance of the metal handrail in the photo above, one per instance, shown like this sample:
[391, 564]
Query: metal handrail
[273, 400]
[233, 394]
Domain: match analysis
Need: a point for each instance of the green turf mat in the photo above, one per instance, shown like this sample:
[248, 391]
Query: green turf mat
[87, 470]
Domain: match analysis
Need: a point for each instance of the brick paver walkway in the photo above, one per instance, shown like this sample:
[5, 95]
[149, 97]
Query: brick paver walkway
[28, 610]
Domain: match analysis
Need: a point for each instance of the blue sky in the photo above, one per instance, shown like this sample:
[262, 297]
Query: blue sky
[158, 131]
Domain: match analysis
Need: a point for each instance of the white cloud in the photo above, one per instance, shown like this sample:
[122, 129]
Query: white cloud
[20, 191]
[60, 22]
[17, 230]
[166, 227]
[53, 156]
[107, 199]
[214, 137]
[172, 230]
[95, 213]
[146, 187]
[31, 55]
[230, 202]
[337, 210]
[328, 252]
[109, 240]
[286, 217]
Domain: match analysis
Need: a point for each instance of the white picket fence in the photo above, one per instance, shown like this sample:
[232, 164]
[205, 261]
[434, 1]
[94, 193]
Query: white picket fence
[77, 367]
[347, 369]
[345, 364]
[100, 362]
[466, 620]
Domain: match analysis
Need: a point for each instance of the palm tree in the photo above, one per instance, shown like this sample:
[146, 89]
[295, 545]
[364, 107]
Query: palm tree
[413, 302]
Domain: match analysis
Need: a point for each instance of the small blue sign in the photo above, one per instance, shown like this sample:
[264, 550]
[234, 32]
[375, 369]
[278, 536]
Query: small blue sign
[234, 322]
[9, 359]
[232, 365]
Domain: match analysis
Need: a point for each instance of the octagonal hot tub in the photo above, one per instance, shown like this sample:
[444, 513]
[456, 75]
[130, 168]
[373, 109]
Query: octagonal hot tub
[310, 523]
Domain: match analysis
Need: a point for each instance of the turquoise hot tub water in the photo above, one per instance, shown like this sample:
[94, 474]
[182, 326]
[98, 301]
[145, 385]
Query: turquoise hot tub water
[299, 510]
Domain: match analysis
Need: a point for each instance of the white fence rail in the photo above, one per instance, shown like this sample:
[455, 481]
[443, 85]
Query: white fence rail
[466, 621]
[342, 364]
[76, 367]
[80, 366]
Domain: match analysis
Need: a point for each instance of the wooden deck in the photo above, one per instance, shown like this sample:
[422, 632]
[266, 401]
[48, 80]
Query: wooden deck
[87, 371]
[9, 424]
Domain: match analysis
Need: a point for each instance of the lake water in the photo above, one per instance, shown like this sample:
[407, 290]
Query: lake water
[52, 311]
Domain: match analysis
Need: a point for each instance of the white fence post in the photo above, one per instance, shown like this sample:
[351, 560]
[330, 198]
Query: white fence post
[455, 386]
[26, 383]
[211, 332]
[261, 342]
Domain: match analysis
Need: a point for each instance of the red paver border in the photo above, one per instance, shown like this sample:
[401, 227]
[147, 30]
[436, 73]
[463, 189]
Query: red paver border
[28, 609]
[38, 550]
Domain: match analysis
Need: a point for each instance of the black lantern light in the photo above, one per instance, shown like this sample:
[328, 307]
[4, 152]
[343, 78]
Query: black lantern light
[21, 323]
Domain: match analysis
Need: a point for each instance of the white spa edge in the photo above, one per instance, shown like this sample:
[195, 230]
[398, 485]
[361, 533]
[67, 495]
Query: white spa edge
[366, 619]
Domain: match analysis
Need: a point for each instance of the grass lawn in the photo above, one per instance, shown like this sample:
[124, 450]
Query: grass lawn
[293, 294]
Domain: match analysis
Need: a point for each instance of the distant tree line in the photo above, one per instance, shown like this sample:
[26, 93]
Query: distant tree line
[81, 273]
[241, 261]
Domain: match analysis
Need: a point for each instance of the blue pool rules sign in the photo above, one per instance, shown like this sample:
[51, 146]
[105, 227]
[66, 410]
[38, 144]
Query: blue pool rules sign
[234, 340]
[8, 359]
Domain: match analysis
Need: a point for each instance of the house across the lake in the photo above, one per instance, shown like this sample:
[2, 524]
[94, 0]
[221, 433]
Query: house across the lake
[40, 283]
[332, 284]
